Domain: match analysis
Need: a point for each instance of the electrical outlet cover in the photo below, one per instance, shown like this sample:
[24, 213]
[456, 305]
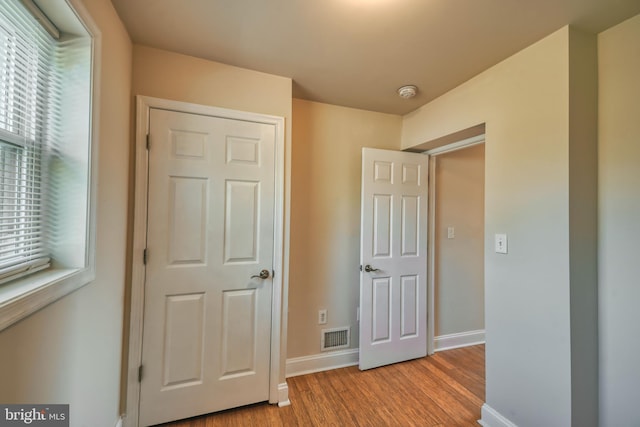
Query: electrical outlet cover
[322, 317]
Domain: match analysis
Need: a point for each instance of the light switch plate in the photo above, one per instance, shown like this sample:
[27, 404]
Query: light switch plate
[451, 232]
[501, 243]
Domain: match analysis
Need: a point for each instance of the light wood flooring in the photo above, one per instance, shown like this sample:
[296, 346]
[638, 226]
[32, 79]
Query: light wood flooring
[446, 389]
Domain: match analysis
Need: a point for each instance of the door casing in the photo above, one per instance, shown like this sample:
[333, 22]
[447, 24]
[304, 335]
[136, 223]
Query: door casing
[278, 392]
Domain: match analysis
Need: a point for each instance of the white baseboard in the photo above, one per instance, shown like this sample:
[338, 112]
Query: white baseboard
[493, 418]
[283, 395]
[462, 339]
[321, 362]
[119, 421]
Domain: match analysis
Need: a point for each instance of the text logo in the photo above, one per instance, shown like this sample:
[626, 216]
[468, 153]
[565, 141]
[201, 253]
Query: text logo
[34, 415]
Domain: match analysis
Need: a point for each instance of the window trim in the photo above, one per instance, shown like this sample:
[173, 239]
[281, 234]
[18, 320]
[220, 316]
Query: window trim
[23, 297]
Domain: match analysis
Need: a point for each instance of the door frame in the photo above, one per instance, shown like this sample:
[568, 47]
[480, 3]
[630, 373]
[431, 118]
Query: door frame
[431, 224]
[278, 393]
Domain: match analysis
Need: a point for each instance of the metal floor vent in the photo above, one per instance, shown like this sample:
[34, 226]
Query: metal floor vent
[335, 338]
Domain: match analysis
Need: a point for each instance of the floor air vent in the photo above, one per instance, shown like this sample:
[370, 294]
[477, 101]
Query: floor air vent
[335, 338]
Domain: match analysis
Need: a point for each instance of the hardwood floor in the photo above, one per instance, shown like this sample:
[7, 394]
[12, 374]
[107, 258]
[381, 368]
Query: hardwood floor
[446, 389]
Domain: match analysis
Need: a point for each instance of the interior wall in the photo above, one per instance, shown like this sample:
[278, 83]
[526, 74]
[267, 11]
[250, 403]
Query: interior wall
[325, 215]
[168, 75]
[583, 226]
[459, 261]
[69, 352]
[619, 228]
[524, 102]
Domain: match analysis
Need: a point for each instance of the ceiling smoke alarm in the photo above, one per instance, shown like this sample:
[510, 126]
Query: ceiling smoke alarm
[408, 91]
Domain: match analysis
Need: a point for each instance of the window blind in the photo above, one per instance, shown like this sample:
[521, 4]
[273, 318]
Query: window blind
[27, 90]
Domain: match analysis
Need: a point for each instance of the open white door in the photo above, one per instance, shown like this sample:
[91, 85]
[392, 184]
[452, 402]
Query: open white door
[393, 256]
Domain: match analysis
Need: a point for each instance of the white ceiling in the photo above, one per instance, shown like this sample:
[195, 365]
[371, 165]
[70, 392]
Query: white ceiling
[357, 53]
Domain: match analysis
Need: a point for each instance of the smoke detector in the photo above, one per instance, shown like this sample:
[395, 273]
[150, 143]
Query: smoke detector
[408, 91]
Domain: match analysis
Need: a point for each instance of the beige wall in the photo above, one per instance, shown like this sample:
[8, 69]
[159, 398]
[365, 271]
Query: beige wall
[459, 262]
[168, 75]
[325, 215]
[619, 224]
[525, 103]
[69, 352]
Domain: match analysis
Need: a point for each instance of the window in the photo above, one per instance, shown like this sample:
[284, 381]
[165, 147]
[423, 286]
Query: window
[46, 213]
[25, 86]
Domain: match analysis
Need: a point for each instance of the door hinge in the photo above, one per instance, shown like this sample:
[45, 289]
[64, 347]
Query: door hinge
[273, 274]
[140, 374]
[360, 267]
[148, 142]
[144, 256]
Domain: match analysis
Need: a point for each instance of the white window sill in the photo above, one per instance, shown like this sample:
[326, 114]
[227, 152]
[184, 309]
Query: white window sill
[22, 297]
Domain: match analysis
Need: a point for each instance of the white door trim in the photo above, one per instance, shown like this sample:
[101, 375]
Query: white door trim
[458, 145]
[431, 290]
[431, 258]
[143, 107]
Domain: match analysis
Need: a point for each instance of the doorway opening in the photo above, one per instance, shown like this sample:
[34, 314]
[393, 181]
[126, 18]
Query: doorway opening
[456, 245]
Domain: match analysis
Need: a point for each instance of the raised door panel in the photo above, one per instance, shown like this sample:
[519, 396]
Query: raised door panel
[409, 217]
[409, 306]
[381, 313]
[238, 349]
[187, 145]
[241, 221]
[382, 204]
[243, 151]
[184, 328]
[187, 228]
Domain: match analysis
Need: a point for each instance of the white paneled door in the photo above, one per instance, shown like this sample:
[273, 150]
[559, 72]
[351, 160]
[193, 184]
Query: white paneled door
[393, 251]
[208, 288]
